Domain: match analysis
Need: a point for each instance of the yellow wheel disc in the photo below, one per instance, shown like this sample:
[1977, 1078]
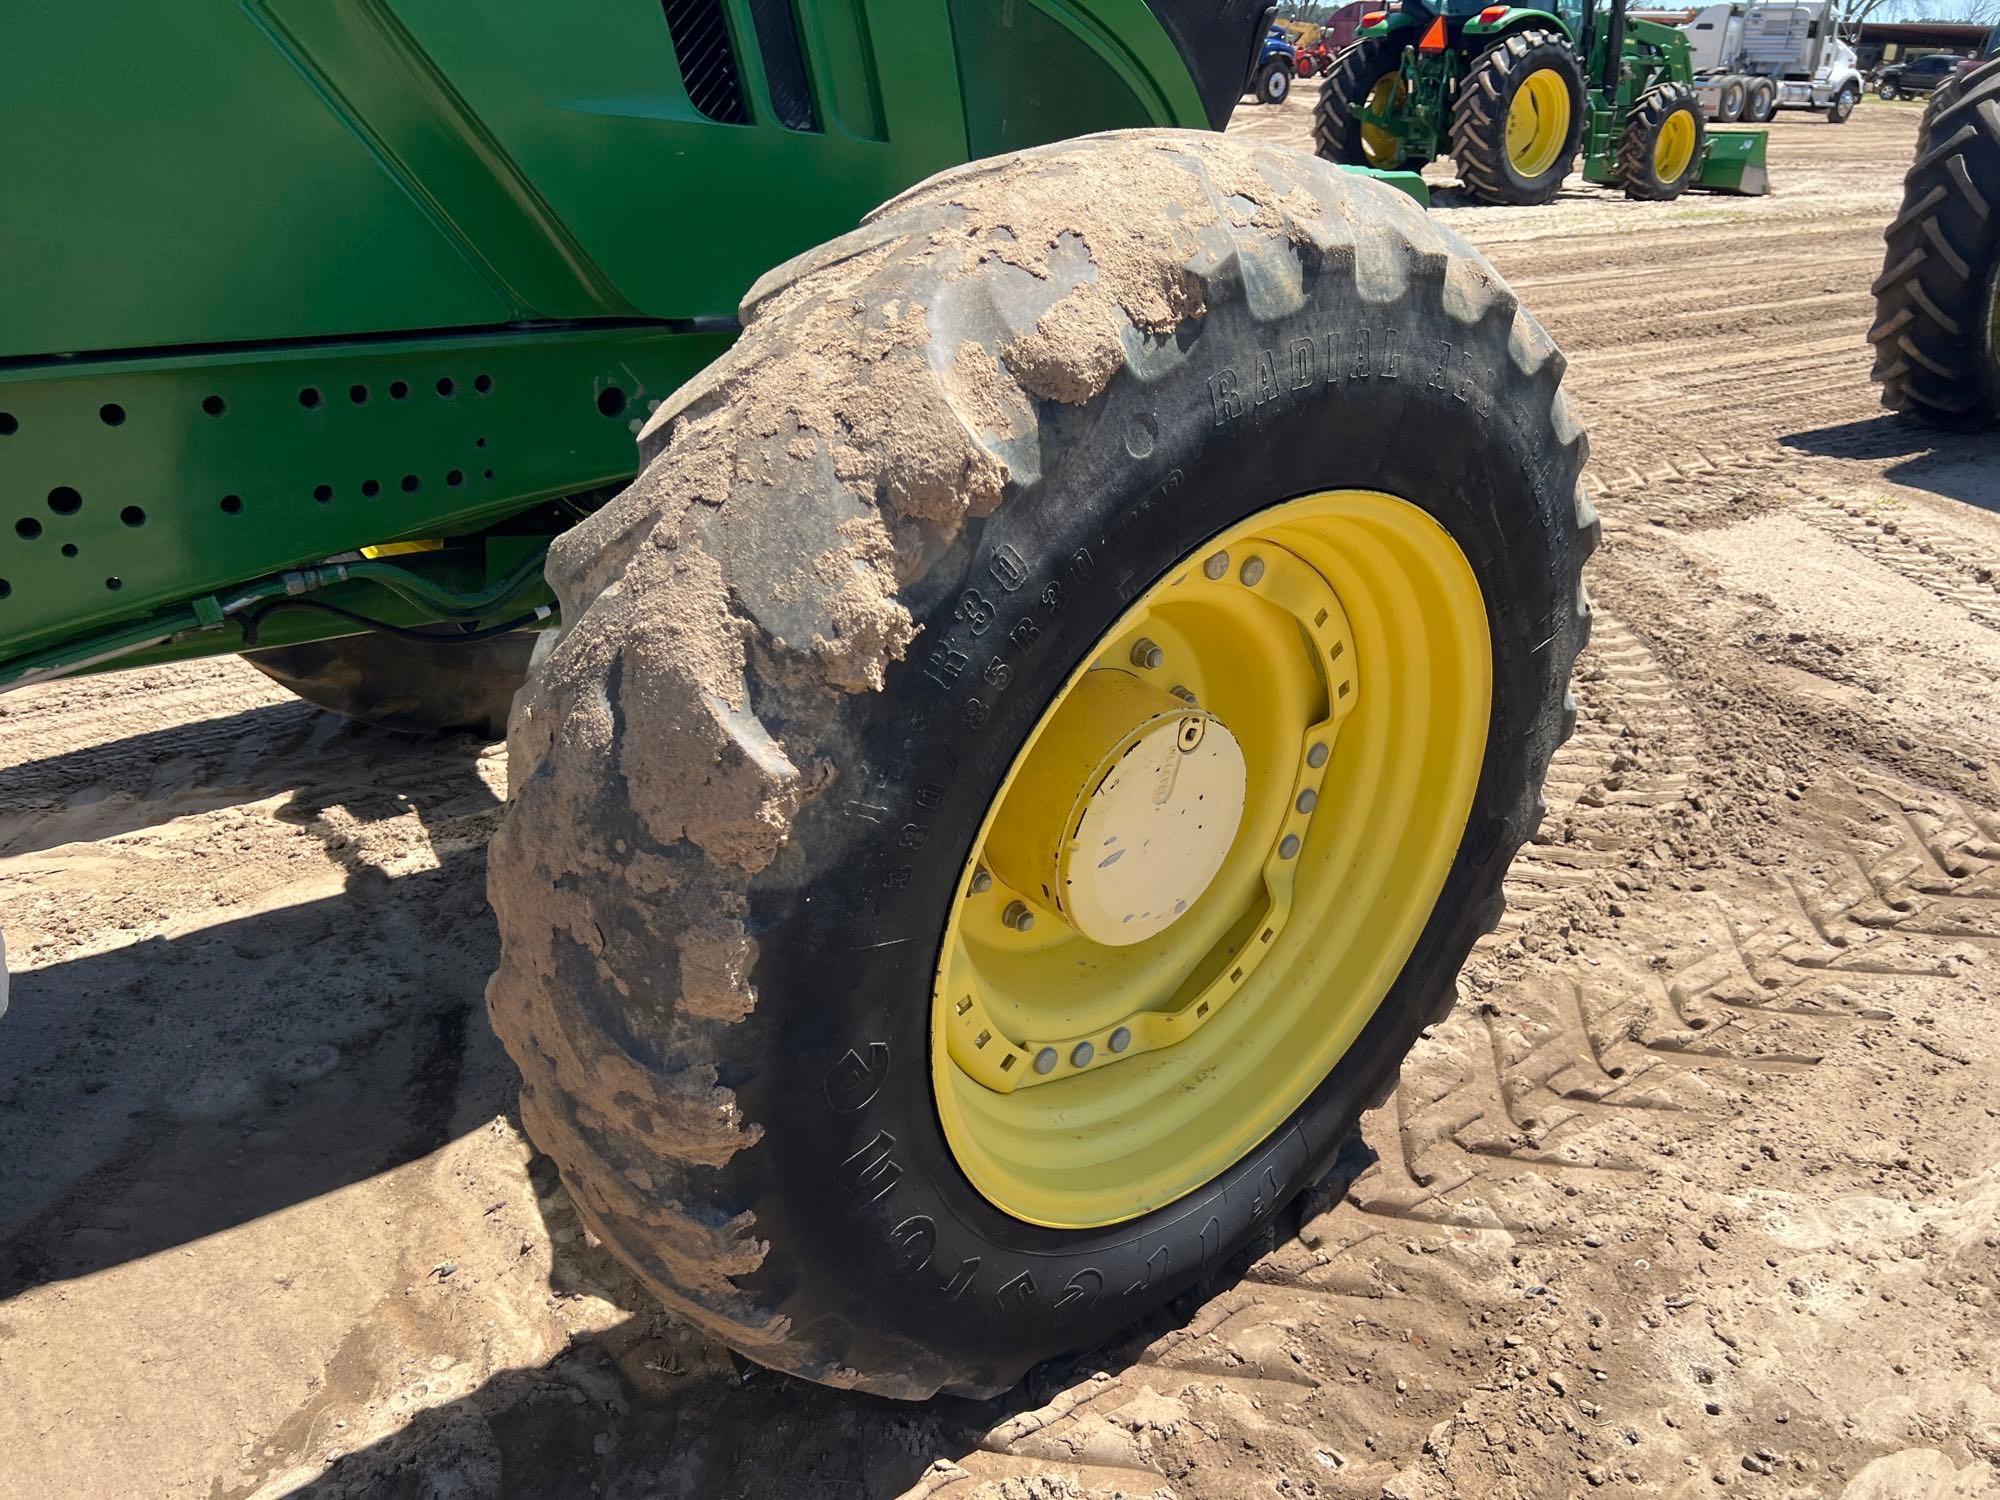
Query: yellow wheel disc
[1538, 122]
[1211, 859]
[1673, 148]
[1382, 147]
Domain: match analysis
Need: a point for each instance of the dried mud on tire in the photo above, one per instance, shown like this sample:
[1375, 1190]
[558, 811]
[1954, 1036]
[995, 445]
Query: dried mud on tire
[1045, 402]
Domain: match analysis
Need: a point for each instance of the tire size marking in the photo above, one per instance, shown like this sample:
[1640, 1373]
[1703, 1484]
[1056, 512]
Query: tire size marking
[1339, 358]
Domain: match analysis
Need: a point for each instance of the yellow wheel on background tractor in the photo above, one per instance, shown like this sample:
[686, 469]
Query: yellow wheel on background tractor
[1540, 123]
[1379, 146]
[1665, 138]
[1361, 98]
[1517, 117]
[994, 819]
[1201, 875]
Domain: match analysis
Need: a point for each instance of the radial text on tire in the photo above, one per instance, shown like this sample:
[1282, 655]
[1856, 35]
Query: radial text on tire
[938, 595]
[1937, 302]
[1517, 119]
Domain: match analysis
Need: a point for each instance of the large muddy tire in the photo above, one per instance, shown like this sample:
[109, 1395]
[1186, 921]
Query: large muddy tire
[1366, 74]
[951, 453]
[411, 686]
[1661, 152]
[1517, 119]
[1937, 301]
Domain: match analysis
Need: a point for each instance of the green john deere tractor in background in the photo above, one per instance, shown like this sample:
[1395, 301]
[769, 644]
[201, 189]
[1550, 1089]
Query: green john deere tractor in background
[1512, 93]
[991, 818]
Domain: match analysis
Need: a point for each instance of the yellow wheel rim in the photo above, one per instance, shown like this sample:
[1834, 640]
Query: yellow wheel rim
[1538, 122]
[1266, 765]
[1673, 147]
[1383, 148]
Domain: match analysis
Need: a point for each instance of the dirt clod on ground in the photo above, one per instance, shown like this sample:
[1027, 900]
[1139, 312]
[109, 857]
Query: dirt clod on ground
[1696, 1192]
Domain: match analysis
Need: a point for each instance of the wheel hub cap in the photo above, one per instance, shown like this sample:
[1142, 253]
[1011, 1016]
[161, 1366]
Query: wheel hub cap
[1124, 812]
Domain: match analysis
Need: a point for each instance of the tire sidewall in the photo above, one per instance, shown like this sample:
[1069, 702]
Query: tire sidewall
[882, 1232]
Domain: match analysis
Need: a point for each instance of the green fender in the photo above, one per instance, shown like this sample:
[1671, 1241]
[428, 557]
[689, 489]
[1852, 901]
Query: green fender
[1392, 22]
[1512, 18]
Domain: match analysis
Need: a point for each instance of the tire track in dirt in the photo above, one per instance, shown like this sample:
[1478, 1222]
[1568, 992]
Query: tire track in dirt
[1905, 543]
[1551, 1082]
[1634, 749]
[1542, 1085]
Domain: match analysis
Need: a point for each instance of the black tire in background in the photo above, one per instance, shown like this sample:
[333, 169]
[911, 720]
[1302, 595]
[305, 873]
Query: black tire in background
[1479, 117]
[1842, 108]
[1350, 77]
[1636, 170]
[1274, 84]
[1940, 97]
[1938, 296]
[1760, 101]
[1731, 100]
[735, 831]
[411, 686]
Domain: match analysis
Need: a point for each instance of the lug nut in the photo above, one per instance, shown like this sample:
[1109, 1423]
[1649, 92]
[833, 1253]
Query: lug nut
[1018, 916]
[1316, 757]
[1081, 1055]
[1308, 800]
[981, 881]
[1252, 572]
[1045, 1060]
[1183, 694]
[1147, 655]
[1217, 565]
[1121, 1039]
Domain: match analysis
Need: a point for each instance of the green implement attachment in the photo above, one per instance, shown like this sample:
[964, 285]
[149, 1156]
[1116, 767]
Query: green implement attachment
[1403, 182]
[1735, 161]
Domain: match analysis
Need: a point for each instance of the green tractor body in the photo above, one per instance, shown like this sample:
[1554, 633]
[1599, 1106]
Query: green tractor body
[395, 282]
[1409, 90]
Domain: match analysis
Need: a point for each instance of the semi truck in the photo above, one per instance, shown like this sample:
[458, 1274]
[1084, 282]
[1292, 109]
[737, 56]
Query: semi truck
[1753, 59]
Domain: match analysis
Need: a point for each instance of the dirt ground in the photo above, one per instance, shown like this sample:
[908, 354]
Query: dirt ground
[1698, 1189]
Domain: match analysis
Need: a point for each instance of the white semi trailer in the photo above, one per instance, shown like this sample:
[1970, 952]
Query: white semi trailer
[1754, 57]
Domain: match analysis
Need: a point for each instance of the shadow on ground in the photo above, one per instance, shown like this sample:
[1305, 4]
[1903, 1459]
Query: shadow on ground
[156, 1093]
[652, 1408]
[162, 1092]
[1959, 466]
